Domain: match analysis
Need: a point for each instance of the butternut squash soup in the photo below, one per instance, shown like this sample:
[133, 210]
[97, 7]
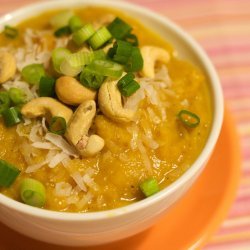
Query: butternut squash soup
[97, 111]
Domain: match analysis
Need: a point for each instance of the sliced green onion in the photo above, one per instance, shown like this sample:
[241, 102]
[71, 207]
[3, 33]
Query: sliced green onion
[73, 64]
[131, 38]
[57, 56]
[83, 34]
[17, 96]
[11, 116]
[106, 68]
[99, 54]
[119, 29]
[10, 32]
[47, 86]
[4, 101]
[68, 70]
[63, 31]
[127, 85]
[75, 23]
[149, 187]
[121, 51]
[91, 79]
[99, 38]
[32, 73]
[135, 62]
[57, 125]
[32, 192]
[8, 173]
[61, 19]
[188, 118]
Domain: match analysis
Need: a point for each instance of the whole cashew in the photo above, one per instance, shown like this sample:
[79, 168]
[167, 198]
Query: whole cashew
[46, 106]
[110, 103]
[7, 66]
[78, 128]
[71, 92]
[151, 55]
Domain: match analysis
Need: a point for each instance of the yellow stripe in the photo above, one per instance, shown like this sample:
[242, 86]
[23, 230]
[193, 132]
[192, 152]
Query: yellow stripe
[245, 181]
[231, 237]
[237, 221]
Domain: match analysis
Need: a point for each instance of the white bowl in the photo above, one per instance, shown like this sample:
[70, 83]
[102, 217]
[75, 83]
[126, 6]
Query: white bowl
[94, 228]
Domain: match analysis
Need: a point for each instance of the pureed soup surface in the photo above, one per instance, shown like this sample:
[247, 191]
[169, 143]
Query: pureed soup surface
[156, 144]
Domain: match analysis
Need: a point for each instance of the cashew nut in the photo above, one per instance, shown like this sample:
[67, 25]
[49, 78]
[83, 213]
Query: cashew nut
[7, 66]
[71, 92]
[78, 128]
[110, 103]
[151, 55]
[46, 106]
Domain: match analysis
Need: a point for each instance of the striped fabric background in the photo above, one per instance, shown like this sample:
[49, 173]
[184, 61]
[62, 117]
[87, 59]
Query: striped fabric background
[222, 27]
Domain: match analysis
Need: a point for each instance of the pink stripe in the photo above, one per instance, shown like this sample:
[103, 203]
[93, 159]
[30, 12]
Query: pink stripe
[228, 48]
[234, 229]
[241, 92]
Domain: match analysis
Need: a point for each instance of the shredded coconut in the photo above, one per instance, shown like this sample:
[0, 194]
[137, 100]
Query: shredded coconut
[63, 189]
[79, 181]
[144, 156]
[61, 143]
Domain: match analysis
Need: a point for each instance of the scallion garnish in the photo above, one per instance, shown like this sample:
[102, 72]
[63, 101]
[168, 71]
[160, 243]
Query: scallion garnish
[135, 62]
[106, 68]
[17, 96]
[57, 125]
[91, 79]
[149, 187]
[8, 173]
[63, 31]
[75, 23]
[99, 38]
[10, 31]
[47, 86]
[61, 19]
[57, 56]
[188, 118]
[32, 73]
[127, 85]
[32, 192]
[131, 38]
[4, 101]
[121, 52]
[119, 29]
[83, 34]
[11, 116]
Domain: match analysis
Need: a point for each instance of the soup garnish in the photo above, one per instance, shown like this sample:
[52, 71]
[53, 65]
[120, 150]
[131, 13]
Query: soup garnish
[97, 111]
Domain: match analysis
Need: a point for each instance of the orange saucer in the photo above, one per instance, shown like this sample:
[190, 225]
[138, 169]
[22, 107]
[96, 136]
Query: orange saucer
[189, 223]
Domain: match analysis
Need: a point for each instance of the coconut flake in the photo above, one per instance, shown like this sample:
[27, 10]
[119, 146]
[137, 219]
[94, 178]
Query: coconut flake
[62, 189]
[84, 201]
[144, 156]
[90, 182]
[19, 130]
[57, 159]
[43, 145]
[154, 118]
[33, 136]
[150, 142]
[61, 143]
[79, 181]
[35, 167]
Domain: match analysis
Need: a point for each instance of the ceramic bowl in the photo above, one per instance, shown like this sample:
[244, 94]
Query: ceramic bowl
[75, 229]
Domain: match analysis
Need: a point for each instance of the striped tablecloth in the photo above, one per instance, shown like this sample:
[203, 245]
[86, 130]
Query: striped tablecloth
[222, 27]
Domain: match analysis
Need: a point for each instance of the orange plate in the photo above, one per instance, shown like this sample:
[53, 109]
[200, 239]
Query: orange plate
[190, 222]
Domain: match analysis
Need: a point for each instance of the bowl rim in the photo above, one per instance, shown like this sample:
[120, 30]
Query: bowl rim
[218, 106]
